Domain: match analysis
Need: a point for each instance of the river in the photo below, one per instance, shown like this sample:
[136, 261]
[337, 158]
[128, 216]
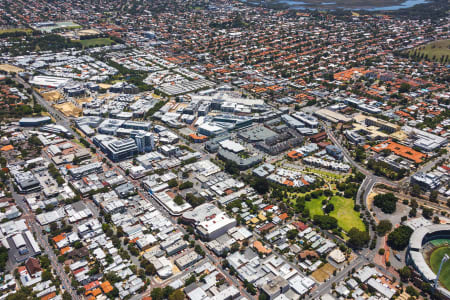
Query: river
[338, 5]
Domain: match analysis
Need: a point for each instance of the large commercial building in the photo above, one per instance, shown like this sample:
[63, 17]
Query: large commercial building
[145, 142]
[209, 129]
[243, 163]
[187, 260]
[219, 124]
[425, 140]
[110, 126]
[256, 134]
[49, 81]
[309, 120]
[354, 137]
[427, 181]
[400, 150]
[115, 149]
[22, 246]
[137, 125]
[292, 122]
[210, 222]
[334, 151]
[56, 129]
[275, 287]
[121, 149]
[26, 182]
[35, 121]
[85, 170]
[332, 116]
[383, 125]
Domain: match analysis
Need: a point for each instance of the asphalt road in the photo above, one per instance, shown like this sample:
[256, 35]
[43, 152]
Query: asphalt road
[364, 191]
[62, 120]
[57, 115]
[43, 242]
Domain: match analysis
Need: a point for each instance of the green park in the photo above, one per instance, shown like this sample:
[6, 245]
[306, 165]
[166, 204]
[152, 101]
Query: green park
[435, 261]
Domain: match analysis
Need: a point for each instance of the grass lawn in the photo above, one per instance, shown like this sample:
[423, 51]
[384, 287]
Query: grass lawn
[435, 261]
[76, 141]
[327, 175]
[346, 216]
[315, 206]
[293, 196]
[73, 27]
[435, 49]
[97, 41]
[9, 30]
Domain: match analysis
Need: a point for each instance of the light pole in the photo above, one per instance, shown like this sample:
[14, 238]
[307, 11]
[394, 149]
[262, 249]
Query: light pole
[443, 261]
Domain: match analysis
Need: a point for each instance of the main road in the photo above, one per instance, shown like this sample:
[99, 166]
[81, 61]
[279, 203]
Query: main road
[30, 217]
[60, 118]
[64, 121]
[365, 257]
[369, 182]
[43, 242]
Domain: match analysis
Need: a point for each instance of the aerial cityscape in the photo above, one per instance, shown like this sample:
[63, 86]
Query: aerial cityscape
[224, 149]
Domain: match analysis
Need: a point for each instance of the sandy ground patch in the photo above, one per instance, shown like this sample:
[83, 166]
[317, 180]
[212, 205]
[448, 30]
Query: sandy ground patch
[84, 100]
[10, 68]
[104, 86]
[370, 200]
[52, 96]
[178, 106]
[103, 96]
[69, 109]
[322, 274]
[85, 32]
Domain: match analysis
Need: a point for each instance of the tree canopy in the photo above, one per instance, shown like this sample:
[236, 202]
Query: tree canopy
[386, 202]
[325, 222]
[261, 185]
[3, 258]
[177, 295]
[384, 227]
[357, 238]
[399, 238]
[157, 294]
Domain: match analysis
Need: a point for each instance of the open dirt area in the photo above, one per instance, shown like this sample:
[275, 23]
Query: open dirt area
[322, 274]
[69, 109]
[51, 96]
[86, 32]
[178, 106]
[84, 100]
[370, 200]
[104, 86]
[103, 96]
[10, 68]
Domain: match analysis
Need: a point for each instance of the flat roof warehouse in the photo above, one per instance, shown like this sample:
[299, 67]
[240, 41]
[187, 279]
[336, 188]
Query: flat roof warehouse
[49, 81]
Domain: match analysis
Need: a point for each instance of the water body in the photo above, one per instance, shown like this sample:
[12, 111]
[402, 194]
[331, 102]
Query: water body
[335, 5]
[406, 4]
